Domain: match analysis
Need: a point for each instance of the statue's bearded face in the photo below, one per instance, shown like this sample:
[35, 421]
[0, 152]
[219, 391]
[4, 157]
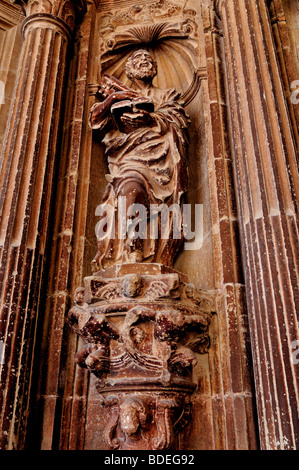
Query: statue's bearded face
[141, 66]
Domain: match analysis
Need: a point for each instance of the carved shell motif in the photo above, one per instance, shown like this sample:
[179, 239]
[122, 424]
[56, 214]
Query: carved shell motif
[168, 30]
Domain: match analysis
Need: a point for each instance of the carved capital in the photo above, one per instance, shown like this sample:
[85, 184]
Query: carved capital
[65, 11]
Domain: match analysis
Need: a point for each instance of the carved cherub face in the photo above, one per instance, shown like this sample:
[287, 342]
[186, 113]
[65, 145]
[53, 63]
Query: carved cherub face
[141, 66]
[132, 285]
[132, 415]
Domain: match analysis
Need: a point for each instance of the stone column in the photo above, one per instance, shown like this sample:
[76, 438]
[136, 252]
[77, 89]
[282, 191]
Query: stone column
[286, 54]
[28, 164]
[266, 177]
[232, 388]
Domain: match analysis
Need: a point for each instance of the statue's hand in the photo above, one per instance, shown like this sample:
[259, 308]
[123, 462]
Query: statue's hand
[100, 110]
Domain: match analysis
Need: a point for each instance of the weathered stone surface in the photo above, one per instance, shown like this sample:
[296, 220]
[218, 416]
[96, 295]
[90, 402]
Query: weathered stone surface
[267, 185]
[29, 153]
[144, 130]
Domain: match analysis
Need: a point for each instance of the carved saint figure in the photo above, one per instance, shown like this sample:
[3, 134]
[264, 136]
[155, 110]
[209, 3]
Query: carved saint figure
[144, 130]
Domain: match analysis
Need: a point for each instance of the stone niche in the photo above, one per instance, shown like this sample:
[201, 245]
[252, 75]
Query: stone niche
[164, 337]
[10, 49]
[173, 34]
[144, 324]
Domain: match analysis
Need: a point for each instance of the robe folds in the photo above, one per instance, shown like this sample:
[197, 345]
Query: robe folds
[155, 158]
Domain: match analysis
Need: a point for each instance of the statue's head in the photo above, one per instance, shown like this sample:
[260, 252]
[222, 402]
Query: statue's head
[141, 66]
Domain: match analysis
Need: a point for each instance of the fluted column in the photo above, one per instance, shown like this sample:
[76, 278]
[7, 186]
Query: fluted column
[28, 164]
[267, 193]
[232, 388]
[287, 58]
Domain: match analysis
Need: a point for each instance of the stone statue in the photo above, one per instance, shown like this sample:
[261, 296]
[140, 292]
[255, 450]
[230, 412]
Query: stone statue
[144, 130]
[143, 324]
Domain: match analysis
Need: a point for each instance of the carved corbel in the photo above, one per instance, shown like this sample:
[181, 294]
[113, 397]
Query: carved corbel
[147, 422]
[143, 323]
[129, 418]
[142, 343]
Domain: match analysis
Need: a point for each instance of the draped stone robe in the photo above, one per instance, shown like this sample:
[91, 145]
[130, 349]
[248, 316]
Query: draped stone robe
[155, 157]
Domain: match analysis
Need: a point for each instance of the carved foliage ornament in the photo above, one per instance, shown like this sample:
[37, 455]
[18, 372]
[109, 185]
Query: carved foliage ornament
[150, 12]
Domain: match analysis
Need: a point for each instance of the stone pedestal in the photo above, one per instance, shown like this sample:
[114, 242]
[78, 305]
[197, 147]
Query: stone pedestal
[143, 325]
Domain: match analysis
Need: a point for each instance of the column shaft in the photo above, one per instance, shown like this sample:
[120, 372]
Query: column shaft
[267, 188]
[27, 180]
[231, 381]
